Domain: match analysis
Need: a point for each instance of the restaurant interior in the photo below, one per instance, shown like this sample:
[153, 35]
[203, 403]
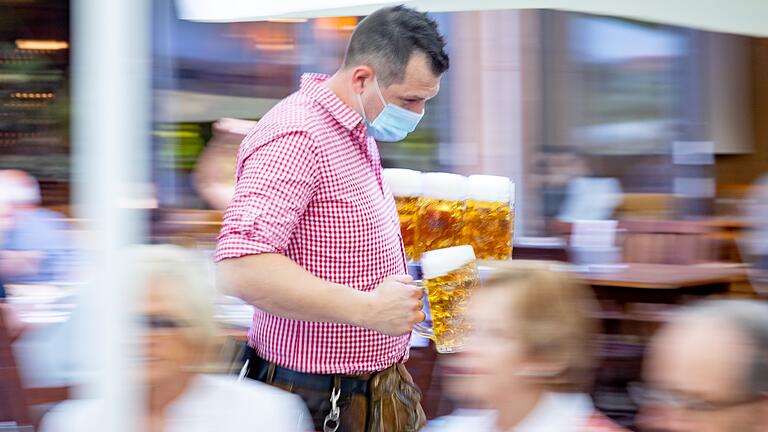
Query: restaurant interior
[635, 154]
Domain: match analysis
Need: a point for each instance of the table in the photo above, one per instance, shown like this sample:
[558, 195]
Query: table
[663, 276]
[629, 291]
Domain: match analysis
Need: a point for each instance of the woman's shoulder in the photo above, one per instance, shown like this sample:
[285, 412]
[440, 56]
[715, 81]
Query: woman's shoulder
[464, 420]
[71, 415]
[228, 390]
[246, 401]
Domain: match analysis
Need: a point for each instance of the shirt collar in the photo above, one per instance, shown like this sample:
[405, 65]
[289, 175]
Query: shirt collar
[312, 86]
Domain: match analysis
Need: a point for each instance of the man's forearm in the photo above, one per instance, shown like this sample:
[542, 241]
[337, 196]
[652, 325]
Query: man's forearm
[277, 285]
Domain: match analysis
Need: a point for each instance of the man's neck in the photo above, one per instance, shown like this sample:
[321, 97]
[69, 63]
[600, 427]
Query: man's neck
[337, 84]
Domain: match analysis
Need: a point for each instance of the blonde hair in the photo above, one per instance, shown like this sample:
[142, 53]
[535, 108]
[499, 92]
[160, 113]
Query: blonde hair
[185, 278]
[552, 315]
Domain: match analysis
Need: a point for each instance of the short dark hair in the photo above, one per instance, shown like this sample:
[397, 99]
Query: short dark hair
[387, 38]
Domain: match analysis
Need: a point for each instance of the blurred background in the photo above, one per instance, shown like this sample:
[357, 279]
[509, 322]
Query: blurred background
[546, 97]
[673, 120]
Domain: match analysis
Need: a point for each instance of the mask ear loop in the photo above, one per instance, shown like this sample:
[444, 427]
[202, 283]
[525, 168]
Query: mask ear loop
[362, 108]
[378, 91]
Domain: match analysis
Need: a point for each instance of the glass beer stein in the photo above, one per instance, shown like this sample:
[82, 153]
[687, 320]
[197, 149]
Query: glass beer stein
[406, 187]
[490, 216]
[448, 277]
[441, 211]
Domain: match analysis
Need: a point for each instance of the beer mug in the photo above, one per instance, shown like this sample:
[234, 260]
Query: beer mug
[441, 211]
[448, 277]
[490, 217]
[406, 187]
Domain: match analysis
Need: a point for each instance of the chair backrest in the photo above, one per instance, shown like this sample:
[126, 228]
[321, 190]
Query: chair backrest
[13, 403]
[645, 206]
[666, 242]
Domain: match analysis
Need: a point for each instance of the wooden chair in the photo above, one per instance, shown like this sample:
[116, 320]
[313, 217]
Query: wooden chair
[192, 225]
[645, 206]
[667, 242]
[15, 400]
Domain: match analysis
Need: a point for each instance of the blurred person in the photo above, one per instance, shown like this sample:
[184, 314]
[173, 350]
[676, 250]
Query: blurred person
[312, 237]
[530, 361]
[178, 342]
[556, 170]
[756, 237]
[590, 198]
[707, 370]
[33, 245]
[214, 177]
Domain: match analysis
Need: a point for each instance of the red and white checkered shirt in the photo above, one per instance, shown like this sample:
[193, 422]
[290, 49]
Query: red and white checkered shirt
[309, 186]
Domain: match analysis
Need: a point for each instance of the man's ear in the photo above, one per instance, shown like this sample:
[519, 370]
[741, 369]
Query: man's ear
[361, 74]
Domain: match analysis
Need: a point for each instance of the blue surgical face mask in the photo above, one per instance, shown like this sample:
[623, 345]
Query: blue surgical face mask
[393, 123]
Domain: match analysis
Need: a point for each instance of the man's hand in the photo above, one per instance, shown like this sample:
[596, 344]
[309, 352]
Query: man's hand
[395, 306]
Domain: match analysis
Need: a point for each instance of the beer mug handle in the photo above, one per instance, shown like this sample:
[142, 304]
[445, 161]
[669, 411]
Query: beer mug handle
[420, 329]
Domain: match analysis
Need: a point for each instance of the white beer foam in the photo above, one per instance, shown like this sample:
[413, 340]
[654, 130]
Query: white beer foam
[444, 186]
[440, 262]
[403, 182]
[491, 188]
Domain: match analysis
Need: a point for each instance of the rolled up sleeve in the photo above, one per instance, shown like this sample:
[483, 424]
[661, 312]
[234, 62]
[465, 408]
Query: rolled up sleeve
[275, 184]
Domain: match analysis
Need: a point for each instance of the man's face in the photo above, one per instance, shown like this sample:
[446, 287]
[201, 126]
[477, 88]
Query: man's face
[418, 86]
[702, 364]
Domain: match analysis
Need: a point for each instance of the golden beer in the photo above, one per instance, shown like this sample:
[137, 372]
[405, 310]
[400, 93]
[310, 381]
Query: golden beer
[438, 224]
[490, 217]
[407, 209]
[405, 186]
[450, 277]
[448, 299]
[441, 211]
[488, 228]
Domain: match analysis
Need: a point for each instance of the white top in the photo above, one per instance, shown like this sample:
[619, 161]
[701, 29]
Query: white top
[440, 262]
[561, 412]
[211, 403]
[403, 182]
[590, 198]
[490, 188]
[444, 186]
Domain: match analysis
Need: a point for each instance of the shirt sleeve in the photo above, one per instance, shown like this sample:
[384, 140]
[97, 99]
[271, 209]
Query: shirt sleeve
[275, 184]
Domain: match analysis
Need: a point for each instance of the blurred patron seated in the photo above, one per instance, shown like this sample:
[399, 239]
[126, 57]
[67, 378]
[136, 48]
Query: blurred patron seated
[530, 362]
[756, 238]
[214, 177]
[33, 244]
[590, 198]
[707, 370]
[179, 342]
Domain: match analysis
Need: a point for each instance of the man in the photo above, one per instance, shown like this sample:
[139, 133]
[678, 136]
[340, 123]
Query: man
[33, 245]
[707, 371]
[311, 237]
